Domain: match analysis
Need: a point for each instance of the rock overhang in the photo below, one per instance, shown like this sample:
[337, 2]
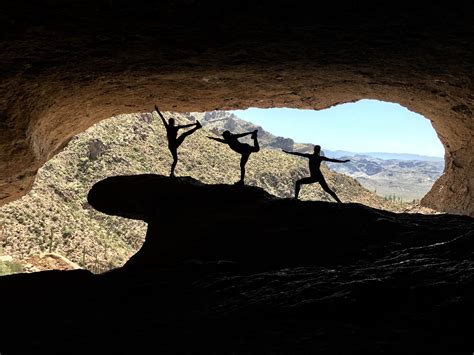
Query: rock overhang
[70, 64]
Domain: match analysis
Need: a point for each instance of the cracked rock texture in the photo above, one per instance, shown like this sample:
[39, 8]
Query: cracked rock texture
[68, 64]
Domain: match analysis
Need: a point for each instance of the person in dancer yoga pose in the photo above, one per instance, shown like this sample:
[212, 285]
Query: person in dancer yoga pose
[244, 149]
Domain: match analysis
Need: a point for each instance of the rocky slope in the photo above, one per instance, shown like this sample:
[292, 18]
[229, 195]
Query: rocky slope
[55, 216]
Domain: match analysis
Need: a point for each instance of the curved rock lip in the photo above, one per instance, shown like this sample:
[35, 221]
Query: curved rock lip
[145, 196]
[189, 220]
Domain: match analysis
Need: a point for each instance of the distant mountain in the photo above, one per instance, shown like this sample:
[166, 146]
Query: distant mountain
[218, 121]
[405, 179]
[405, 176]
[384, 156]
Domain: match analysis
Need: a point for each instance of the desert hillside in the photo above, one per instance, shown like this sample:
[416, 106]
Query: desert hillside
[55, 218]
[405, 177]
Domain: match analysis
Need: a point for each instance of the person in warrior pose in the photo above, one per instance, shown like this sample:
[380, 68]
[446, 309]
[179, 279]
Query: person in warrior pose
[173, 140]
[243, 149]
[315, 172]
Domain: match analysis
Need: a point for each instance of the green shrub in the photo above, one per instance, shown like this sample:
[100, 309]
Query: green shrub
[67, 233]
[10, 267]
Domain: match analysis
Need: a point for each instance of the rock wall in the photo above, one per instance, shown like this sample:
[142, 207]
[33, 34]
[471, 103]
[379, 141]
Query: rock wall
[68, 64]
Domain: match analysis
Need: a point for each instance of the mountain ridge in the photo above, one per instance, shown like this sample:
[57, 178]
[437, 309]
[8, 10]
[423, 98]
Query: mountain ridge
[386, 155]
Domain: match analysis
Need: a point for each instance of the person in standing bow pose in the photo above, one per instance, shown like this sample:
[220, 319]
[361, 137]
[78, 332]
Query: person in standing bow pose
[243, 149]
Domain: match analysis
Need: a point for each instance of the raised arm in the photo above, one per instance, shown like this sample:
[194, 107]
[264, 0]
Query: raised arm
[161, 116]
[217, 139]
[335, 160]
[296, 153]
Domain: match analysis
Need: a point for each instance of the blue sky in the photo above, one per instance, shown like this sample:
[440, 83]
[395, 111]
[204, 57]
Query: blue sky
[363, 126]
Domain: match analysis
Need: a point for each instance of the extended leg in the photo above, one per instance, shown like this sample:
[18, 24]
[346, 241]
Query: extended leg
[300, 182]
[174, 153]
[255, 147]
[326, 188]
[243, 161]
[180, 139]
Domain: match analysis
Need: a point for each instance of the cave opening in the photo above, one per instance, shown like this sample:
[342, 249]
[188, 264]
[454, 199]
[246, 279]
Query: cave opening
[366, 281]
[54, 218]
[394, 152]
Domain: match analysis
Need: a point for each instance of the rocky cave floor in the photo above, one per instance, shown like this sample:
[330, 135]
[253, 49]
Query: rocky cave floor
[229, 269]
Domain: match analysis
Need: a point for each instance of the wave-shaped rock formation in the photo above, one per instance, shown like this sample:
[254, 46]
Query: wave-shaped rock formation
[252, 273]
[67, 64]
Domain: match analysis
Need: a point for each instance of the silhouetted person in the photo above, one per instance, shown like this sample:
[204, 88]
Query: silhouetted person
[173, 140]
[315, 171]
[243, 149]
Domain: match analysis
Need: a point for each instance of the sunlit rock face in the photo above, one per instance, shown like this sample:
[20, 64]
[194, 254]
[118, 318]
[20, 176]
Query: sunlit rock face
[68, 64]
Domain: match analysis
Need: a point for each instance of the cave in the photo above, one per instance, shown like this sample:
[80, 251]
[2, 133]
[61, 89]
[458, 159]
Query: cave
[67, 65]
[383, 282]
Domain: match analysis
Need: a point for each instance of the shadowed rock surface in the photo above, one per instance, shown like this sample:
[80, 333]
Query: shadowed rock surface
[254, 274]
